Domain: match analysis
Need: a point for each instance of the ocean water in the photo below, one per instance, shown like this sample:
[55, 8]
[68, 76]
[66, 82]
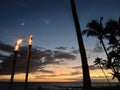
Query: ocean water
[51, 85]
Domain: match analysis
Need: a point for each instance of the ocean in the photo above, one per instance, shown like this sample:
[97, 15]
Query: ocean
[51, 85]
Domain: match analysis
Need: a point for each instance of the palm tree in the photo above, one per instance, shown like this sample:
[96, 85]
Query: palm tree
[96, 29]
[86, 75]
[98, 61]
[115, 67]
[112, 31]
[113, 27]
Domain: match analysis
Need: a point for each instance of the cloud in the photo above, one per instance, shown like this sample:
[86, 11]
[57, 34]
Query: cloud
[64, 74]
[35, 61]
[76, 73]
[5, 50]
[46, 71]
[76, 51]
[41, 77]
[64, 55]
[39, 59]
[61, 48]
[22, 24]
[45, 21]
[51, 74]
[77, 67]
[72, 73]
[6, 47]
[93, 67]
[4, 53]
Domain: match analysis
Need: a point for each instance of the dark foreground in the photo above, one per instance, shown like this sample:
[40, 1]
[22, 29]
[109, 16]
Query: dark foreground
[93, 88]
[107, 88]
[57, 86]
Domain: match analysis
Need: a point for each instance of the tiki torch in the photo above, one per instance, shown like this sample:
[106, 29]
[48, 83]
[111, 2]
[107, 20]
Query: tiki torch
[28, 60]
[16, 49]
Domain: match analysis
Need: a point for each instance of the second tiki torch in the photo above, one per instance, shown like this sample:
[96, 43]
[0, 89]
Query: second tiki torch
[28, 61]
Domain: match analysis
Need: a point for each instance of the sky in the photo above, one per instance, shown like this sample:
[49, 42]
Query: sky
[55, 53]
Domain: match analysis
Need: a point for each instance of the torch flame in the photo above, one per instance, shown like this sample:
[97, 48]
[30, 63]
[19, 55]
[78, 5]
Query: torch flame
[30, 40]
[17, 44]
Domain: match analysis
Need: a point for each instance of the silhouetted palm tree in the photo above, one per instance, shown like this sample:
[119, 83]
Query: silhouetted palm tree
[98, 61]
[113, 27]
[96, 29]
[112, 31]
[86, 76]
[115, 64]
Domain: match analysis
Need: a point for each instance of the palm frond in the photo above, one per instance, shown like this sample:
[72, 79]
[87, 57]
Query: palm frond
[89, 32]
[97, 61]
[95, 25]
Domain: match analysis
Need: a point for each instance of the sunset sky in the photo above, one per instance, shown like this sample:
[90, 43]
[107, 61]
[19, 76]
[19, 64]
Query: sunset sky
[55, 55]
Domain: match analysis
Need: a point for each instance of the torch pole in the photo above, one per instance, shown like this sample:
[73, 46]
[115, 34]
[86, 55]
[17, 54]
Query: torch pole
[13, 70]
[27, 66]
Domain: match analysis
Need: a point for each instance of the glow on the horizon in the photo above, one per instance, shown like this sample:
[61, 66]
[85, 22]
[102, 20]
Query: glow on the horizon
[62, 75]
[98, 72]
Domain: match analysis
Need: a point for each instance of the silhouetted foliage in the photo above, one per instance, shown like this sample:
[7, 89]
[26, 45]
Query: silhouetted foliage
[96, 29]
[111, 32]
[98, 61]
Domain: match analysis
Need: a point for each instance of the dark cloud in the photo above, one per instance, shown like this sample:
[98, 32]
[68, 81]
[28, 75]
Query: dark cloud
[6, 47]
[76, 51]
[76, 73]
[72, 47]
[6, 65]
[77, 67]
[64, 55]
[93, 67]
[52, 75]
[35, 61]
[63, 74]
[46, 71]
[61, 48]
[71, 73]
[39, 59]
[2, 57]
[41, 77]
[101, 77]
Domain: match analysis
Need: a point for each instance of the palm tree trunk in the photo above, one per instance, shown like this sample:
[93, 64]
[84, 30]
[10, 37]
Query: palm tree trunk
[86, 75]
[109, 61]
[103, 47]
[105, 75]
[117, 75]
[118, 78]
